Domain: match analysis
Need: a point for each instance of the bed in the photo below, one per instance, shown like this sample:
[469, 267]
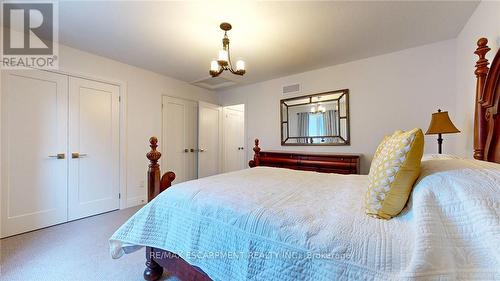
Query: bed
[270, 223]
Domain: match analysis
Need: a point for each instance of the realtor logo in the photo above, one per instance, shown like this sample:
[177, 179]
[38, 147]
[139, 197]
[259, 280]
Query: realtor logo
[29, 36]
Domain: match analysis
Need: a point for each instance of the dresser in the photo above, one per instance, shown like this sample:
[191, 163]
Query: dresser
[323, 162]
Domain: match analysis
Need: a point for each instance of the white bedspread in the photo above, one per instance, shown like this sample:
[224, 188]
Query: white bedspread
[278, 224]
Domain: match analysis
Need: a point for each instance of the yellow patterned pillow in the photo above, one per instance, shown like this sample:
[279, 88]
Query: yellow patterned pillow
[393, 172]
[384, 141]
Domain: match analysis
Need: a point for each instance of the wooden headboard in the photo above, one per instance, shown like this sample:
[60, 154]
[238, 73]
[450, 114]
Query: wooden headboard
[486, 117]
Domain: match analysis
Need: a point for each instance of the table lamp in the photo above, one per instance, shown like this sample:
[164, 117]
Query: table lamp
[441, 124]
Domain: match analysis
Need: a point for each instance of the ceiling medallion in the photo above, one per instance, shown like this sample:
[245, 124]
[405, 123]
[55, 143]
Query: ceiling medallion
[224, 60]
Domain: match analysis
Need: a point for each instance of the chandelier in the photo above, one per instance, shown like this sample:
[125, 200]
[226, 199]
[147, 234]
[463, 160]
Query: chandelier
[318, 109]
[224, 60]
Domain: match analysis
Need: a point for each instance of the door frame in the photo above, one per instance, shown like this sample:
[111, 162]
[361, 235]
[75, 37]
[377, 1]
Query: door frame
[122, 135]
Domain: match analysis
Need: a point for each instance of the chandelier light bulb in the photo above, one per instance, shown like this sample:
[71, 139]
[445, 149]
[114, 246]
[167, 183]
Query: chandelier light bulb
[240, 65]
[214, 66]
[223, 56]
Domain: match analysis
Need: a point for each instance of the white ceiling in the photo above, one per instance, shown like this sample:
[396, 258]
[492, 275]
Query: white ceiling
[179, 39]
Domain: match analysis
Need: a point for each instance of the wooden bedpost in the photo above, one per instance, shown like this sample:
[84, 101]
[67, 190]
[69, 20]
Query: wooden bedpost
[256, 161]
[155, 184]
[153, 270]
[480, 112]
[154, 169]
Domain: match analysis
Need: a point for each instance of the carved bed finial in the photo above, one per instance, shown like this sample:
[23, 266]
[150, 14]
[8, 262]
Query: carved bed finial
[482, 63]
[256, 150]
[153, 155]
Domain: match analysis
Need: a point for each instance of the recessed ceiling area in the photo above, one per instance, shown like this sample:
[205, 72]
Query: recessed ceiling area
[179, 39]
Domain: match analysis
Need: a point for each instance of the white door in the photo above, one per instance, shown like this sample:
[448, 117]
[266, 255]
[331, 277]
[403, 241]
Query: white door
[234, 139]
[34, 132]
[209, 135]
[179, 141]
[93, 148]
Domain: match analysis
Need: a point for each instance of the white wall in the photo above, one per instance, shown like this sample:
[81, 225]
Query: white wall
[388, 92]
[484, 22]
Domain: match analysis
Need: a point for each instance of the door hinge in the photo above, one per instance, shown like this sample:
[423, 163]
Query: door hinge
[119, 99]
[119, 196]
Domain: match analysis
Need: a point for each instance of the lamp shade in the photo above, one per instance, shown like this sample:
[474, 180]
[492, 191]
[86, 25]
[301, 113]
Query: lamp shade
[441, 124]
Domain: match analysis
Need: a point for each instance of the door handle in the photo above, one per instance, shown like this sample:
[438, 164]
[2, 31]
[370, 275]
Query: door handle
[192, 150]
[75, 155]
[58, 156]
[186, 150]
[201, 150]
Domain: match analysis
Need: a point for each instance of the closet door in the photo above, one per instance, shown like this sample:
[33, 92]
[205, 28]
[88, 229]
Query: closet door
[234, 140]
[209, 136]
[34, 122]
[93, 148]
[179, 140]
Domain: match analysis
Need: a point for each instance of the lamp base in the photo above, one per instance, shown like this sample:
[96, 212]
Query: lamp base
[440, 144]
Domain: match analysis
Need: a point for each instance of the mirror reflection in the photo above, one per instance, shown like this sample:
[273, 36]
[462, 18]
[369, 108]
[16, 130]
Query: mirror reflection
[320, 119]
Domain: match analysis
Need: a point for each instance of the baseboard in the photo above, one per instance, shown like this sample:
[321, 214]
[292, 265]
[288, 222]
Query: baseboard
[135, 201]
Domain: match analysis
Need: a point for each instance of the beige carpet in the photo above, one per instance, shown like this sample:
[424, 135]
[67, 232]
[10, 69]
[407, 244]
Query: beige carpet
[76, 250]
